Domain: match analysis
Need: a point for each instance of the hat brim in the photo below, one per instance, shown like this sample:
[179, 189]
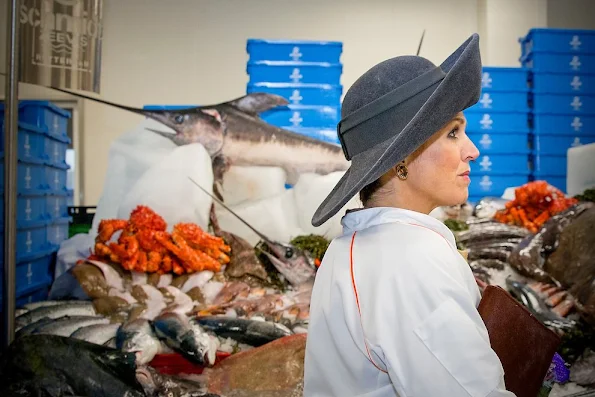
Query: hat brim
[459, 90]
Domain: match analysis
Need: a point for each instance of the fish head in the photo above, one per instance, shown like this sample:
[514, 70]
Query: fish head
[296, 265]
[148, 378]
[193, 125]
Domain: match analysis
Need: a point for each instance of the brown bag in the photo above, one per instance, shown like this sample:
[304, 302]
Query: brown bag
[524, 345]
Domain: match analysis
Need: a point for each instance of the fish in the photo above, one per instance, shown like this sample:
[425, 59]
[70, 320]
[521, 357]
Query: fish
[65, 326]
[81, 308]
[186, 337]
[28, 329]
[99, 334]
[251, 332]
[49, 365]
[296, 265]
[156, 384]
[138, 337]
[233, 133]
[538, 307]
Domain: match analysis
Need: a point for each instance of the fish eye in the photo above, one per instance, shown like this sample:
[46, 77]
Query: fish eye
[288, 252]
[178, 119]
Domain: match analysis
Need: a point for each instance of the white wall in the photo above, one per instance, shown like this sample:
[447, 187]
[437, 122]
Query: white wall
[502, 23]
[193, 51]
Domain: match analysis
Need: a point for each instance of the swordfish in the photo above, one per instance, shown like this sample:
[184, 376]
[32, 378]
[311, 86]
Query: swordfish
[233, 134]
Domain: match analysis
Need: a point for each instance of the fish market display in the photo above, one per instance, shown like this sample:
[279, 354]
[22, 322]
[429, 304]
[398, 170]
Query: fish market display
[295, 265]
[145, 246]
[534, 203]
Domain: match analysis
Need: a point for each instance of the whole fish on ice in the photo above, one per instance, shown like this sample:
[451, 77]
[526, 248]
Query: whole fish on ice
[137, 336]
[186, 337]
[68, 308]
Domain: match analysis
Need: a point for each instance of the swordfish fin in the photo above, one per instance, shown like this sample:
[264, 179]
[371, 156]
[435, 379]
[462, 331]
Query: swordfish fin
[258, 102]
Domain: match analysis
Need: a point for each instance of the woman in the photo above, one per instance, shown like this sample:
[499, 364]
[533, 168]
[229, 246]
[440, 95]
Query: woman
[393, 310]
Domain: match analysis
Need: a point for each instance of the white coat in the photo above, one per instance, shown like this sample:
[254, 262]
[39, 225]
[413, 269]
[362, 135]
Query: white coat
[418, 301]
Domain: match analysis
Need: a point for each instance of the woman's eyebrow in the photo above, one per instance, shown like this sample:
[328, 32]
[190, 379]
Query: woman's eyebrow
[459, 119]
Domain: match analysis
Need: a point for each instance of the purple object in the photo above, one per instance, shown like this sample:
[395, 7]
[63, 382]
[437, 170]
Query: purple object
[561, 372]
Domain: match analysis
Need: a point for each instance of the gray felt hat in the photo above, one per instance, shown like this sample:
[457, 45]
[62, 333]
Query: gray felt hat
[392, 109]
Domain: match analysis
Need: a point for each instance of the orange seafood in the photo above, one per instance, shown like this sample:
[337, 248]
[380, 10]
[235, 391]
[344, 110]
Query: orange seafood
[145, 246]
[534, 203]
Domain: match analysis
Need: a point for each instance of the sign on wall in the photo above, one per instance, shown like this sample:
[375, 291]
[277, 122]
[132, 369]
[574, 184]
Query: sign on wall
[60, 43]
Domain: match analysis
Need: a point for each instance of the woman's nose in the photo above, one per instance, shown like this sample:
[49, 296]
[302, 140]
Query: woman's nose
[470, 151]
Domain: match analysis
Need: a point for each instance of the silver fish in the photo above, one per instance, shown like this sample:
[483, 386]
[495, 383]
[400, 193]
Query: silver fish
[537, 306]
[65, 326]
[100, 334]
[28, 329]
[296, 265]
[138, 337]
[186, 337]
[80, 308]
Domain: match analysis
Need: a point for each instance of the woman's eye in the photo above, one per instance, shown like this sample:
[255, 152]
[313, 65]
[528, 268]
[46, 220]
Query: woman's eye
[453, 133]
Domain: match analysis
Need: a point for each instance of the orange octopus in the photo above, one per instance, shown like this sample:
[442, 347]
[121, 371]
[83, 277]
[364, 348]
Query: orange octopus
[145, 246]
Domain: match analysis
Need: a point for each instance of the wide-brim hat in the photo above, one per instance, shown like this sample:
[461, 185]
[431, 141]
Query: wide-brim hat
[392, 109]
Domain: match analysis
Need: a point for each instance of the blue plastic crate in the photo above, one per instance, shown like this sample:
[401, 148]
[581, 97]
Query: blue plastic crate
[31, 210]
[505, 79]
[321, 134]
[31, 178]
[494, 122]
[55, 151]
[578, 41]
[563, 124]
[502, 102]
[492, 164]
[561, 83]
[303, 116]
[564, 104]
[32, 273]
[56, 179]
[57, 205]
[294, 72]
[549, 62]
[31, 141]
[557, 181]
[31, 241]
[43, 114]
[57, 232]
[494, 185]
[559, 144]
[501, 143]
[550, 165]
[302, 94]
[294, 50]
[36, 293]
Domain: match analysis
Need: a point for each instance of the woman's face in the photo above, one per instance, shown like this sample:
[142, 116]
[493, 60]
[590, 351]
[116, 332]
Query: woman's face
[439, 174]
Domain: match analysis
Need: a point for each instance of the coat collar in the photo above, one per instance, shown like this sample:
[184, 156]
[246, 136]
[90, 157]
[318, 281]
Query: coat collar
[362, 219]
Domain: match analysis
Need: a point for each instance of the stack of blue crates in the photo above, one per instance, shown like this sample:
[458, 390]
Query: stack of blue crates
[499, 126]
[42, 196]
[308, 75]
[562, 64]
